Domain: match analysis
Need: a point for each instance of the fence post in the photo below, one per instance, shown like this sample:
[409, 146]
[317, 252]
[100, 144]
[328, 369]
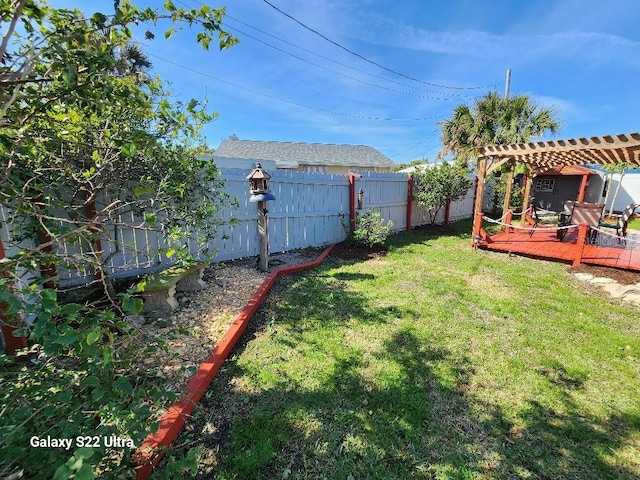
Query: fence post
[12, 343]
[582, 238]
[90, 209]
[352, 200]
[409, 202]
[48, 269]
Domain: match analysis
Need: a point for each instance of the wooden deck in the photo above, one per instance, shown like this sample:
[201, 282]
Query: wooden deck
[543, 243]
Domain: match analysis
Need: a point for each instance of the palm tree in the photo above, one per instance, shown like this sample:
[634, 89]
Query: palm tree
[494, 120]
[130, 60]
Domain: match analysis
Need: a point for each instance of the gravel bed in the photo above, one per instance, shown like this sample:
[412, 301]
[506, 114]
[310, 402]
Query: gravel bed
[192, 331]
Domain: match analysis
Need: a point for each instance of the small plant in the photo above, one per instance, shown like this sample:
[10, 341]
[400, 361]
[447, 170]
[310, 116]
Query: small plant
[370, 229]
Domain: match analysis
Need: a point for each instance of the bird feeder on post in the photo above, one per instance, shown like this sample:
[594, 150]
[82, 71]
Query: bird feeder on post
[259, 189]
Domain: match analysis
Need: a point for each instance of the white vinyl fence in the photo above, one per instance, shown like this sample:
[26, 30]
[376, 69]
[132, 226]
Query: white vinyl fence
[310, 210]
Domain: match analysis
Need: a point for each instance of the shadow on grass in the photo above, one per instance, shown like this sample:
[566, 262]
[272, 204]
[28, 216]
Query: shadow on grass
[324, 385]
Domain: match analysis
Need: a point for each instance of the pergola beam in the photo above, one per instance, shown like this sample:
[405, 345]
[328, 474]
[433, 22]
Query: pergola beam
[605, 150]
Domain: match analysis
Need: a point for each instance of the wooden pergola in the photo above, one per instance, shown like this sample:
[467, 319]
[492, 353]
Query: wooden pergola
[553, 154]
[544, 242]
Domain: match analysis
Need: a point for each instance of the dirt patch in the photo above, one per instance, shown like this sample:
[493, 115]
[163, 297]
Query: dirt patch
[345, 251]
[435, 230]
[623, 277]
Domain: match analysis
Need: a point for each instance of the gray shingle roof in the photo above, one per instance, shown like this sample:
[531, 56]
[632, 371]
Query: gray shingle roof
[290, 154]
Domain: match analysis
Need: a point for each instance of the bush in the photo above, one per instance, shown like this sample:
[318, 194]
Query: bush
[370, 229]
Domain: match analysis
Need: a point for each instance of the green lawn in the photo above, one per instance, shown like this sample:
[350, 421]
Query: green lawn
[634, 224]
[436, 361]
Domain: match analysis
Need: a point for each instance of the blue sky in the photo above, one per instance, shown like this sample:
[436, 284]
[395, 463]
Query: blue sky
[580, 57]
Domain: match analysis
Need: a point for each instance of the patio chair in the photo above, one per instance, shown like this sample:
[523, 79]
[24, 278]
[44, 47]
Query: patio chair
[582, 212]
[623, 220]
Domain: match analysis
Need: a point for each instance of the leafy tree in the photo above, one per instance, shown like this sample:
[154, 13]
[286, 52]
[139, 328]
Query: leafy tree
[87, 136]
[438, 185]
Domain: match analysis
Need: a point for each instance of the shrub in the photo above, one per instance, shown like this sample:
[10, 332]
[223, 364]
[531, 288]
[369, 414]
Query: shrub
[370, 229]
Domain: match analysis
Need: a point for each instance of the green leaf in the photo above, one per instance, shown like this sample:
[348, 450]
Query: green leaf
[91, 381]
[62, 473]
[123, 385]
[150, 219]
[70, 309]
[129, 150]
[94, 336]
[132, 305]
[85, 472]
[169, 33]
[84, 452]
[67, 338]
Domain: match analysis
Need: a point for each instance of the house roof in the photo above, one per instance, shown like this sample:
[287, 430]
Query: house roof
[290, 154]
[605, 150]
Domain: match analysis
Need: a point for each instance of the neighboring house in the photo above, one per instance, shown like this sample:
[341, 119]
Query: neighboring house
[629, 191]
[309, 157]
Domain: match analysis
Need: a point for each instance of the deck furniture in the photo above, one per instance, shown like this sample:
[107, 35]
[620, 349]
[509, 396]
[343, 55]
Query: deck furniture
[158, 290]
[581, 212]
[621, 223]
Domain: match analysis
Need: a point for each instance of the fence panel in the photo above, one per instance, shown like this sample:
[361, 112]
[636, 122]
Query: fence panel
[385, 192]
[310, 209]
[307, 210]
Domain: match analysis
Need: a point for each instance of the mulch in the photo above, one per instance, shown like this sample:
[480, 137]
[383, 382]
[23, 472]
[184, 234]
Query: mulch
[345, 251]
[625, 277]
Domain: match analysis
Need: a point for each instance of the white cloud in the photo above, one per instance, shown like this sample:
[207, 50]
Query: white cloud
[577, 45]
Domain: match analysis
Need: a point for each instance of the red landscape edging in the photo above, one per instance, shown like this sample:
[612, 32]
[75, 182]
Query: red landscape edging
[150, 452]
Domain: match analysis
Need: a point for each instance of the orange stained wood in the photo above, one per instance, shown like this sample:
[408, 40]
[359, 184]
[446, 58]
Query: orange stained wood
[544, 244]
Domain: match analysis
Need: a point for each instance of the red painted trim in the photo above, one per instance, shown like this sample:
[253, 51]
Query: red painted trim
[150, 452]
[90, 209]
[508, 219]
[583, 229]
[409, 202]
[583, 188]
[11, 342]
[352, 200]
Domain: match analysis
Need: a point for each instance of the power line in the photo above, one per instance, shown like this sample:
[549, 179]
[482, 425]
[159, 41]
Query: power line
[380, 77]
[291, 102]
[392, 90]
[366, 59]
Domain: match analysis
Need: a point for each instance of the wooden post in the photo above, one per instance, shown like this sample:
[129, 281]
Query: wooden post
[263, 234]
[48, 269]
[352, 200]
[525, 200]
[509, 189]
[477, 206]
[583, 188]
[409, 202]
[508, 219]
[90, 209]
[582, 239]
[9, 325]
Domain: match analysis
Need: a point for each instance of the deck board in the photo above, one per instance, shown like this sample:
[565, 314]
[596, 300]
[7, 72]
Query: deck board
[542, 243]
